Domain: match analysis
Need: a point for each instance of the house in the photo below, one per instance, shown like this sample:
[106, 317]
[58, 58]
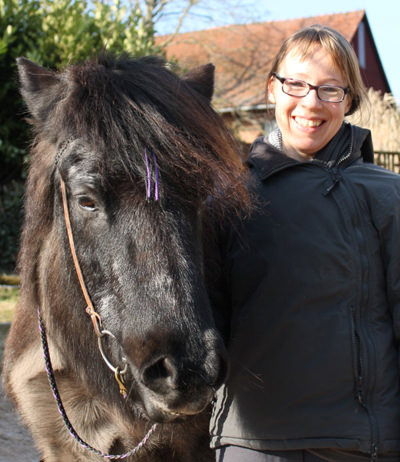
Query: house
[242, 55]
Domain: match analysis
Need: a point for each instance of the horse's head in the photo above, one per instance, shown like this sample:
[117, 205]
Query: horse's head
[139, 150]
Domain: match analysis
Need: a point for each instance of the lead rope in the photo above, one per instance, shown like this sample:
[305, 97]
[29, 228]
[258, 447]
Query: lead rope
[61, 409]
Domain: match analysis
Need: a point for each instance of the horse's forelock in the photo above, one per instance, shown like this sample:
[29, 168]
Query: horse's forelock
[125, 106]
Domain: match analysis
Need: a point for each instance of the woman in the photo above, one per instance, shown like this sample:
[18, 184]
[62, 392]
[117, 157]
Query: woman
[313, 277]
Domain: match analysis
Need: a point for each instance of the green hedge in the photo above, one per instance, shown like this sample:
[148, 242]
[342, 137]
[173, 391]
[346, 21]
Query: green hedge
[11, 213]
[52, 33]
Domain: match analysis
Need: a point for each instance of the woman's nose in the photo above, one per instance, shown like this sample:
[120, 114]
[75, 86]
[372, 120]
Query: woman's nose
[311, 99]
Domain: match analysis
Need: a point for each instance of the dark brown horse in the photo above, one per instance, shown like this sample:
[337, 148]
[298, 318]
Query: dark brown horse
[125, 155]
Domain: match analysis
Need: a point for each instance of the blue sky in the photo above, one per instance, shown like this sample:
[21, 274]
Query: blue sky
[383, 17]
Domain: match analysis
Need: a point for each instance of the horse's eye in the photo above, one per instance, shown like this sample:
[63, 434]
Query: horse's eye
[86, 203]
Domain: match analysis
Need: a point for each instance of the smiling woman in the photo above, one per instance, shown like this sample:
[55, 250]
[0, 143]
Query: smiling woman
[314, 324]
[310, 114]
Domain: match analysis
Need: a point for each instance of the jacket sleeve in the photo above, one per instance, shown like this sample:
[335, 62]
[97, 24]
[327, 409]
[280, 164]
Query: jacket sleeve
[214, 253]
[388, 210]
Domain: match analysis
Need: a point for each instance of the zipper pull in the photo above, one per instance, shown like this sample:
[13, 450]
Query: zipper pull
[359, 392]
[374, 453]
[336, 179]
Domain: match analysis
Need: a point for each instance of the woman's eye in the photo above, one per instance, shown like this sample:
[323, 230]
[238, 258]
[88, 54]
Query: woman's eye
[331, 90]
[87, 203]
[296, 84]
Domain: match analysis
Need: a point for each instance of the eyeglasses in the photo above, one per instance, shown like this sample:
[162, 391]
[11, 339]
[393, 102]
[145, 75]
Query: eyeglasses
[299, 88]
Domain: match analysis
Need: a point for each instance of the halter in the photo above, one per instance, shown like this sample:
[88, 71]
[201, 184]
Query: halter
[95, 318]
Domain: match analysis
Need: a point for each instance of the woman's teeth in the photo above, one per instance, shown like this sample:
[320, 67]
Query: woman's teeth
[308, 122]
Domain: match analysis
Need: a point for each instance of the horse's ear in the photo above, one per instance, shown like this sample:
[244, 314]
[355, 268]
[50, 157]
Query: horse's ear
[202, 79]
[36, 82]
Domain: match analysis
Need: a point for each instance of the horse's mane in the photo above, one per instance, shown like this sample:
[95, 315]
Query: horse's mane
[125, 106]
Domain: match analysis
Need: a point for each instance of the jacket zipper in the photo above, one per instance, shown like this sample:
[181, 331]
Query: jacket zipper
[335, 180]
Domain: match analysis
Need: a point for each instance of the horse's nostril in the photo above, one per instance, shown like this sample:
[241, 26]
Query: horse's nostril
[160, 376]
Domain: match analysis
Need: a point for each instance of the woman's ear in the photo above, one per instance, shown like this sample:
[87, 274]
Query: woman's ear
[348, 104]
[271, 90]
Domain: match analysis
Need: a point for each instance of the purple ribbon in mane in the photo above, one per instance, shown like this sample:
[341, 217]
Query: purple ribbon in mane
[148, 181]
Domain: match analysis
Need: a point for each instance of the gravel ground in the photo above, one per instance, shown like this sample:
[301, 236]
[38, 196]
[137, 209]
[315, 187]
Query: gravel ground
[16, 444]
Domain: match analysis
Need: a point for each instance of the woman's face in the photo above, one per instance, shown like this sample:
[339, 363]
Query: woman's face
[307, 124]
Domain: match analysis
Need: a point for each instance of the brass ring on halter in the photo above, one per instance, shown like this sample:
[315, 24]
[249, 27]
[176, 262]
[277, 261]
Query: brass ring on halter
[106, 360]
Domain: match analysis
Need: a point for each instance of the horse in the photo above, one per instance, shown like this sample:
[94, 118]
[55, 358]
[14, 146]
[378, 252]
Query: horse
[129, 165]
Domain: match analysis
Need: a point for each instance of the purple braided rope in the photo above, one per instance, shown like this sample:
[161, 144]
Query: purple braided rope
[61, 409]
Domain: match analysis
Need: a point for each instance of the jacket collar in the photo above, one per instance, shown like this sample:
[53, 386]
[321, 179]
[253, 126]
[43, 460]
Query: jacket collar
[267, 159]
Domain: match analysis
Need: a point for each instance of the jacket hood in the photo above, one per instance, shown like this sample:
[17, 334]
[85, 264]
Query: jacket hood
[350, 144]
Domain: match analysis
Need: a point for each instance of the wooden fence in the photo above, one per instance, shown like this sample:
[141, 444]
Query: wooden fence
[389, 160]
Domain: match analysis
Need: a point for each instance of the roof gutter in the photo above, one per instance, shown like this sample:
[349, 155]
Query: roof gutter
[235, 109]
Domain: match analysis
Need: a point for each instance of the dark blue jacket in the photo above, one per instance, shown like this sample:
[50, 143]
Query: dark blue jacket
[312, 284]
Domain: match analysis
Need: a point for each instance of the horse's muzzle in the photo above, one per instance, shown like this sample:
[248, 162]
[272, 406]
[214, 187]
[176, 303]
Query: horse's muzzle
[173, 387]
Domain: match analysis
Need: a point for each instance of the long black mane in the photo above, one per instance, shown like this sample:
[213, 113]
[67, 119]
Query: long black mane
[125, 106]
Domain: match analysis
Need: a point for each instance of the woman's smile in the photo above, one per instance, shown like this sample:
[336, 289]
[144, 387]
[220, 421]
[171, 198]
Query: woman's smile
[307, 123]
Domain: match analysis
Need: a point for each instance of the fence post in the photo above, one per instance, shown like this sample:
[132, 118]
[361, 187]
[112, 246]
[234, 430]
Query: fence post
[388, 159]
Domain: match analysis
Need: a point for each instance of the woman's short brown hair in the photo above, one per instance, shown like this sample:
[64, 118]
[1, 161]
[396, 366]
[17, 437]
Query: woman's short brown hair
[337, 46]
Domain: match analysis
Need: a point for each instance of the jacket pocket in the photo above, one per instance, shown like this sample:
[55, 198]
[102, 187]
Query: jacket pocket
[357, 358]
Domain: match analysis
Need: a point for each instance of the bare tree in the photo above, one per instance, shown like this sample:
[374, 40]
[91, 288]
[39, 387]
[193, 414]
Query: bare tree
[173, 12]
[174, 16]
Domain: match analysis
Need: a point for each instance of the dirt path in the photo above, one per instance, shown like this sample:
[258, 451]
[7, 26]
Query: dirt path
[15, 442]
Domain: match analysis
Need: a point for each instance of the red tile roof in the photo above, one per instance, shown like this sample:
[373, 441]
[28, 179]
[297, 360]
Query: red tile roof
[242, 53]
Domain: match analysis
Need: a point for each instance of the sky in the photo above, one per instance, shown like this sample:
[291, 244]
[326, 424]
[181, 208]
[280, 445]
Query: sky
[383, 17]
